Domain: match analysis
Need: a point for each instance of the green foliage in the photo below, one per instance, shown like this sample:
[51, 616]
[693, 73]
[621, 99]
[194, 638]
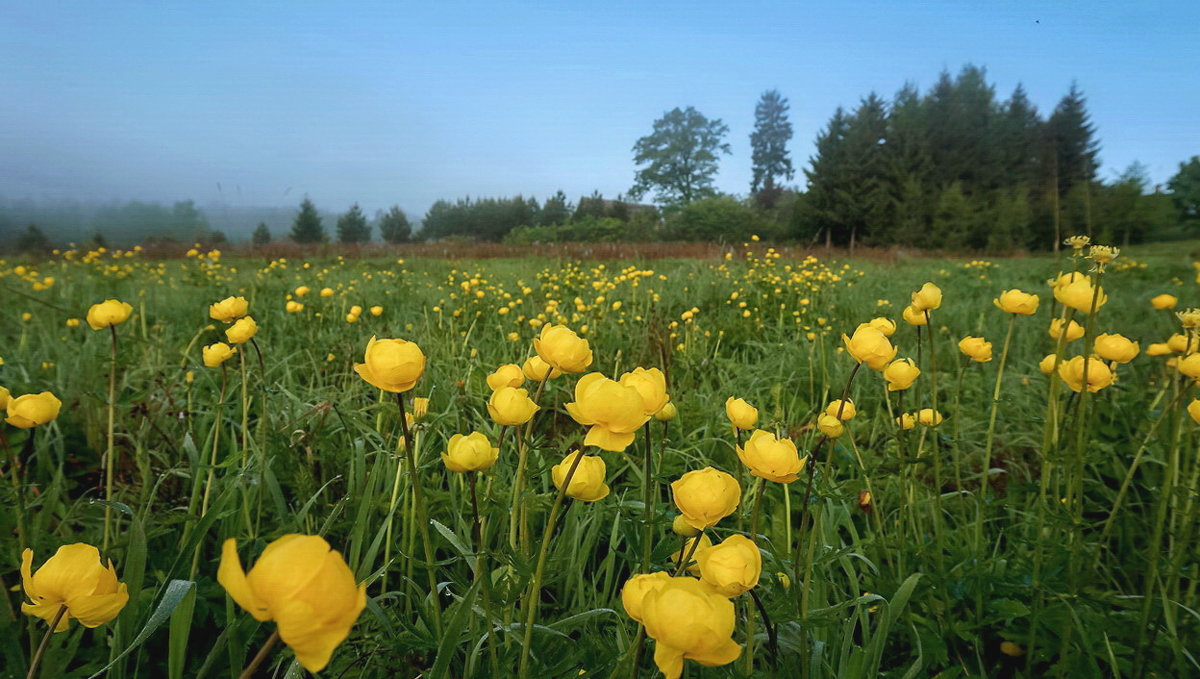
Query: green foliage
[679, 159]
[719, 218]
[32, 240]
[352, 227]
[262, 235]
[1185, 192]
[394, 226]
[556, 210]
[308, 227]
[768, 144]
[585, 229]
[488, 219]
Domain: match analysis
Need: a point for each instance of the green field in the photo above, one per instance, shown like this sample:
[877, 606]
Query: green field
[1078, 557]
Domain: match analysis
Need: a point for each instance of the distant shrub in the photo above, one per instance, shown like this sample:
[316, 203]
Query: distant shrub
[721, 218]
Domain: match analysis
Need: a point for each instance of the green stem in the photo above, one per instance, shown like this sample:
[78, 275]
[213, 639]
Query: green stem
[648, 497]
[41, 649]
[481, 572]
[261, 656]
[421, 518]
[109, 462]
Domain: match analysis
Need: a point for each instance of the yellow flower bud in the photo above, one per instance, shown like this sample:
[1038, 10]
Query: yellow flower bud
[31, 410]
[1046, 365]
[75, 578]
[830, 426]
[976, 348]
[731, 567]
[1073, 330]
[108, 313]
[301, 291]
[705, 496]
[376, 310]
[667, 413]
[770, 458]
[928, 298]
[929, 417]
[560, 347]
[1164, 301]
[914, 316]
[470, 453]
[682, 528]
[536, 369]
[635, 588]
[507, 375]
[587, 484]
[740, 413]
[241, 331]
[304, 586]
[906, 421]
[511, 406]
[901, 374]
[216, 354]
[393, 365]
[884, 325]
[1079, 294]
[841, 411]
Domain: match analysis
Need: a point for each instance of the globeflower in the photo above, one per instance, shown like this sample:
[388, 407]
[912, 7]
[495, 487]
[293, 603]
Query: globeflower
[74, 579]
[216, 354]
[635, 588]
[1116, 348]
[537, 370]
[914, 316]
[242, 331]
[32, 410]
[393, 365]
[688, 620]
[705, 496]
[884, 325]
[870, 346]
[770, 458]
[1164, 301]
[740, 413]
[929, 417]
[507, 375]
[731, 567]
[229, 309]
[976, 348]
[1079, 294]
[613, 411]
[1099, 375]
[470, 453]
[304, 586]
[696, 542]
[928, 298]
[1017, 302]
[560, 347]
[510, 406]
[900, 374]
[651, 384]
[830, 426]
[1072, 331]
[667, 413]
[108, 313]
[587, 484]
[841, 410]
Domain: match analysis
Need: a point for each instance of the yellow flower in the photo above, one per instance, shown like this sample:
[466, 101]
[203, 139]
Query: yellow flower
[1077, 242]
[1193, 409]
[304, 586]
[705, 496]
[4, 397]
[731, 567]
[587, 484]
[914, 316]
[1116, 348]
[740, 413]
[376, 310]
[229, 309]
[507, 375]
[108, 313]
[31, 410]
[535, 369]
[869, 346]
[977, 348]
[1073, 330]
[1010, 649]
[76, 578]
[1189, 318]
[511, 406]
[301, 291]
[906, 421]
[293, 307]
[241, 331]
[884, 325]
[1046, 365]
[840, 411]
[1180, 344]
[1079, 293]
[420, 408]
[216, 354]
[1158, 349]
[929, 417]
[1164, 301]
[1103, 254]
[830, 426]
[928, 298]
[701, 541]
[1016, 302]
[470, 453]
[651, 384]
[72, 322]
[1098, 374]
[900, 374]
[560, 347]
[667, 413]
[1188, 365]
[613, 410]
[326, 292]
[393, 365]
[688, 620]
[635, 588]
[771, 458]
[682, 528]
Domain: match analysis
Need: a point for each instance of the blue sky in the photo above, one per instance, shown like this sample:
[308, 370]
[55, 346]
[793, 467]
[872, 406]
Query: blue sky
[384, 103]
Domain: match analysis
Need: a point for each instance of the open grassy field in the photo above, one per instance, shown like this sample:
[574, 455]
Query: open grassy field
[1036, 530]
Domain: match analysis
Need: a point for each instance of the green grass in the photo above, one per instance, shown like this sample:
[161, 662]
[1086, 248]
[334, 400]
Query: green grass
[909, 589]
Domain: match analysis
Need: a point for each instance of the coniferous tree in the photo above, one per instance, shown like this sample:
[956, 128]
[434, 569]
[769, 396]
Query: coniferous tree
[556, 210]
[394, 226]
[352, 227]
[827, 174]
[768, 143]
[262, 235]
[308, 227]
[1185, 192]
[32, 240]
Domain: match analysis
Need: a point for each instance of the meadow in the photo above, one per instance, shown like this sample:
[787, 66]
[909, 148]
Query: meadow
[984, 516]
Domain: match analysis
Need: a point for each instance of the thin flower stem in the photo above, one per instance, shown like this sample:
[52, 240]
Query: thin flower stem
[759, 491]
[109, 462]
[535, 589]
[481, 572]
[691, 552]
[261, 656]
[422, 520]
[991, 431]
[41, 649]
[517, 530]
[649, 491]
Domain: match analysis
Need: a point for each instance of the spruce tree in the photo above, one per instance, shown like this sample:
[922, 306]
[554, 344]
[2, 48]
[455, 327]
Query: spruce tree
[308, 228]
[768, 143]
[394, 226]
[352, 227]
[262, 235]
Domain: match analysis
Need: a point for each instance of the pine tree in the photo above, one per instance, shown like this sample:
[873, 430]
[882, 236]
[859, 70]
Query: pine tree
[262, 235]
[352, 227]
[1074, 164]
[828, 169]
[556, 210]
[951, 219]
[394, 226]
[33, 240]
[308, 227]
[768, 143]
[1185, 192]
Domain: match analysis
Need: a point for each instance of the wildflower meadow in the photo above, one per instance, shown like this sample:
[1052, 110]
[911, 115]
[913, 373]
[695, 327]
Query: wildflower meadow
[766, 463]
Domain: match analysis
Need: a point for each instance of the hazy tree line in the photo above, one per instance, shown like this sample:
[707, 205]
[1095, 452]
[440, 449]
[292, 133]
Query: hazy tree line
[953, 167]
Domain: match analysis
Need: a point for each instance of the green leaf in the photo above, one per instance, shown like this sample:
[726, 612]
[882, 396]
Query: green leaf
[176, 591]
